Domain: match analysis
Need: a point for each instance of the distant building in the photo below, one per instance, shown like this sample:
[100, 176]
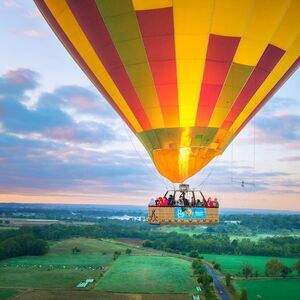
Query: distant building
[84, 284]
[233, 222]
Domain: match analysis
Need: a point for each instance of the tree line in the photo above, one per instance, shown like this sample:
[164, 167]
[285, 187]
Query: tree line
[21, 242]
[33, 241]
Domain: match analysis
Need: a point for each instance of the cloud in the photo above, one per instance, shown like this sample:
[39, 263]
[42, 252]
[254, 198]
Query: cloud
[33, 33]
[15, 83]
[290, 158]
[283, 129]
[33, 14]
[279, 106]
[52, 147]
[10, 4]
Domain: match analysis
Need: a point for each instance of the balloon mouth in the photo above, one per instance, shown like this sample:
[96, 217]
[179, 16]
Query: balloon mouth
[178, 165]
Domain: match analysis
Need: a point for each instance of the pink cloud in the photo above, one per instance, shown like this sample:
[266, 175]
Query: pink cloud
[34, 33]
[59, 133]
[19, 76]
[83, 102]
[10, 4]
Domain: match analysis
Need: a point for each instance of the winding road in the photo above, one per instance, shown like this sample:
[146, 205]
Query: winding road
[216, 278]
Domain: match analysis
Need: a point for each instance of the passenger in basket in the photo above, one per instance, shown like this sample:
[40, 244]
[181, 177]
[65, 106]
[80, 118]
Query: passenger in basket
[186, 201]
[199, 203]
[216, 202]
[165, 201]
[210, 203]
[170, 200]
[204, 203]
[160, 201]
[180, 201]
[152, 202]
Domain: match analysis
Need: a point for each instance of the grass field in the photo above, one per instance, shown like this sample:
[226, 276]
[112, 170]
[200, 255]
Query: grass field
[60, 268]
[148, 274]
[233, 263]
[275, 289]
[14, 277]
[51, 294]
[7, 293]
[94, 253]
[40, 276]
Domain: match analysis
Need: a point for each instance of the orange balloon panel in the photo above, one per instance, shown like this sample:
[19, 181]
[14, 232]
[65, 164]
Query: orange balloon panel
[186, 76]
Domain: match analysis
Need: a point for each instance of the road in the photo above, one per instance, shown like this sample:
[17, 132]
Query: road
[219, 287]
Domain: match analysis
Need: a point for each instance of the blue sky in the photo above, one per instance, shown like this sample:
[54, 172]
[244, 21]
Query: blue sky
[61, 142]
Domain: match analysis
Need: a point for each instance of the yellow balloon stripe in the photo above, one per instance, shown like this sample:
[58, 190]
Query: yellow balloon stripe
[281, 68]
[289, 27]
[63, 15]
[151, 4]
[192, 19]
[266, 16]
[230, 17]
[121, 22]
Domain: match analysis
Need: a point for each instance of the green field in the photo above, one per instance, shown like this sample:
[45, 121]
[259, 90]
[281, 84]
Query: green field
[40, 277]
[60, 268]
[272, 289]
[7, 293]
[94, 253]
[148, 274]
[233, 263]
[14, 277]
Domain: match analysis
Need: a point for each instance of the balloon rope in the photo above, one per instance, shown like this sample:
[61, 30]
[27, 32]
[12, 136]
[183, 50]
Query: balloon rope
[207, 176]
[142, 158]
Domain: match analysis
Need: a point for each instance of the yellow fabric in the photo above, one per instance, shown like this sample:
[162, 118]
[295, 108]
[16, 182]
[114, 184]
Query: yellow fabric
[266, 17]
[230, 17]
[192, 20]
[151, 4]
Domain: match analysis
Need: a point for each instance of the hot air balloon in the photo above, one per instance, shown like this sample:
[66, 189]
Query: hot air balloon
[185, 75]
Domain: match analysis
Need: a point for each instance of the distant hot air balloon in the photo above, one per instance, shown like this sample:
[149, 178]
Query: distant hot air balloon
[185, 75]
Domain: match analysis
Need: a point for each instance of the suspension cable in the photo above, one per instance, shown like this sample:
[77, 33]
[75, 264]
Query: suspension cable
[142, 158]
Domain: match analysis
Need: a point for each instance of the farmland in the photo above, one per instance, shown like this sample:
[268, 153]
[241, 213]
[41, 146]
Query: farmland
[270, 289]
[148, 274]
[233, 263]
[39, 277]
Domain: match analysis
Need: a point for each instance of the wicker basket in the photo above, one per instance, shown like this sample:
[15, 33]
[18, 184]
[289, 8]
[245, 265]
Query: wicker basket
[159, 215]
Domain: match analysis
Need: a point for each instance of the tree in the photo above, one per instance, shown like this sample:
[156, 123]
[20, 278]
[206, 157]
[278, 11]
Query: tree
[116, 254]
[273, 267]
[75, 250]
[228, 279]
[285, 271]
[198, 267]
[247, 270]
[194, 253]
[128, 251]
[244, 295]
[147, 243]
[205, 279]
[296, 266]
[217, 266]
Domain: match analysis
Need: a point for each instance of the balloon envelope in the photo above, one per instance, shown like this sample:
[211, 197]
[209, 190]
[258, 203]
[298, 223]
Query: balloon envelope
[185, 75]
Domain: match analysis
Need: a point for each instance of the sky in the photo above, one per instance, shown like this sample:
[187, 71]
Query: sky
[61, 142]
